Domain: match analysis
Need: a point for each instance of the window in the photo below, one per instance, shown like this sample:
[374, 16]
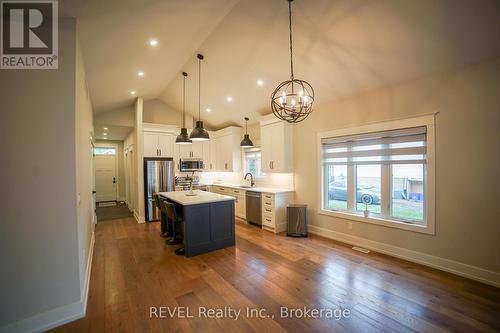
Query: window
[104, 151]
[380, 173]
[253, 162]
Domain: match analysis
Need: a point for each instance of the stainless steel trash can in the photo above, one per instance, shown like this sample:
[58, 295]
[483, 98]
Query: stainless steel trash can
[296, 220]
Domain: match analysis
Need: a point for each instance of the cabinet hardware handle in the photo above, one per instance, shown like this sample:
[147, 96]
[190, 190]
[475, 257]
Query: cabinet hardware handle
[270, 165]
[268, 210]
[268, 220]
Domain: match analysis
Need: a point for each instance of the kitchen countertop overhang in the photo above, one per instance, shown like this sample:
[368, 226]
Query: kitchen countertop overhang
[201, 197]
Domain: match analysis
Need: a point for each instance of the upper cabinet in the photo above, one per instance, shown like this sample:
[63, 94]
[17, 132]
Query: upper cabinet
[276, 139]
[221, 153]
[159, 144]
[194, 150]
[209, 155]
[227, 149]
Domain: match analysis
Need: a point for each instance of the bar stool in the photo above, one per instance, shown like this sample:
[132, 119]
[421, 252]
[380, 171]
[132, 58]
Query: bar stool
[165, 226]
[177, 226]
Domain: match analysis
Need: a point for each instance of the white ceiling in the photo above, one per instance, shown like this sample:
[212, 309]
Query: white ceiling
[342, 47]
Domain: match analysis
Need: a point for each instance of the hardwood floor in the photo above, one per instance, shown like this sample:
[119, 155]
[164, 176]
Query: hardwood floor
[133, 270]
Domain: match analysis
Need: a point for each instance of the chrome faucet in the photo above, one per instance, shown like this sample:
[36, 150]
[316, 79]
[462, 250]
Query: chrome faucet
[251, 178]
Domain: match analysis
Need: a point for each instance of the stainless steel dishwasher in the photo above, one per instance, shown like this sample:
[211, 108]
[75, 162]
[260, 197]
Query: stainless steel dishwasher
[254, 214]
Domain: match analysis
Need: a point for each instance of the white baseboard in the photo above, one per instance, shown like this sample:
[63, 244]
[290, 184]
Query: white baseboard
[451, 266]
[88, 270]
[139, 219]
[58, 316]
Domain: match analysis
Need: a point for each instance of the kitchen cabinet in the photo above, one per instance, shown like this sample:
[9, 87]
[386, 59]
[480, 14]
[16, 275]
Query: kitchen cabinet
[276, 145]
[194, 150]
[273, 209]
[240, 207]
[159, 144]
[227, 149]
[209, 155]
[240, 203]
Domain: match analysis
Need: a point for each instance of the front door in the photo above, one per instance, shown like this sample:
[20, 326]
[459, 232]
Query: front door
[105, 174]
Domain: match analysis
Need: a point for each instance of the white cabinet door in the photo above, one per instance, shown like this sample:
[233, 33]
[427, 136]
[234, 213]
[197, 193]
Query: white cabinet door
[266, 143]
[151, 145]
[184, 151]
[227, 152]
[197, 149]
[166, 144]
[278, 146]
[240, 207]
[221, 160]
[213, 155]
[206, 155]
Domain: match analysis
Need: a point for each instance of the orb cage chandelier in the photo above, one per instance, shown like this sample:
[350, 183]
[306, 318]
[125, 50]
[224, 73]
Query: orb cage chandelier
[292, 100]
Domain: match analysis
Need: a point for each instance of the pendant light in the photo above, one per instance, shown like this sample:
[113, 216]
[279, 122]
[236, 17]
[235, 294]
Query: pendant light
[246, 142]
[293, 99]
[199, 133]
[183, 138]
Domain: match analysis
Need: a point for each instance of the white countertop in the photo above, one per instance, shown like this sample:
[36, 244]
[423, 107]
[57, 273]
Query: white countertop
[201, 197]
[255, 189]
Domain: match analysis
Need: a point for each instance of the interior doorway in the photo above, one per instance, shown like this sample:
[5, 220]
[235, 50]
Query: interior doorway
[106, 165]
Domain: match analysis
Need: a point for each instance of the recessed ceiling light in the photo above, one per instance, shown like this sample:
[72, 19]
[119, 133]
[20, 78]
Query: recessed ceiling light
[209, 110]
[105, 128]
[260, 83]
[105, 133]
[229, 99]
[132, 92]
[153, 42]
[140, 73]
[105, 138]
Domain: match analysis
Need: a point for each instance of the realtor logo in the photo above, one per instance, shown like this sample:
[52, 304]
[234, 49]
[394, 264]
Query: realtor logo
[29, 34]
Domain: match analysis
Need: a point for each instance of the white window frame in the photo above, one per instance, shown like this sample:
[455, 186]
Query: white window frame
[429, 191]
[245, 162]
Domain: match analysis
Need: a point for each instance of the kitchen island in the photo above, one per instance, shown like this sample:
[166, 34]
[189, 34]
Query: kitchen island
[208, 220]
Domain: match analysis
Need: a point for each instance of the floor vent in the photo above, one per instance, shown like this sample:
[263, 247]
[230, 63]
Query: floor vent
[360, 249]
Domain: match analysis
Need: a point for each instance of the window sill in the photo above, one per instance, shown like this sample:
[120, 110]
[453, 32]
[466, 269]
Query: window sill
[379, 221]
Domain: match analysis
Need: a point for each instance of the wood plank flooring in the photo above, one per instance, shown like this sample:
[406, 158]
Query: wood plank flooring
[133, 269]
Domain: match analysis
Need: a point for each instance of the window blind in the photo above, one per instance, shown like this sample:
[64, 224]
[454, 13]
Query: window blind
[252, 153]
[402, 146]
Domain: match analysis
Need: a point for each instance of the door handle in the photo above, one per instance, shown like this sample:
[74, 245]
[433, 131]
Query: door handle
[114, 180]
[94, 192]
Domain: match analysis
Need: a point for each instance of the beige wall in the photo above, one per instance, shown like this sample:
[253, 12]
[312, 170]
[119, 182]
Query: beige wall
[117, 117]
[467, 160]
[84, 168]
[157, 112]
[38, 208]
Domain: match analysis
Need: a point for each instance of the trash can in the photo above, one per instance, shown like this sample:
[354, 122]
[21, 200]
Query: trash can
[296, 220]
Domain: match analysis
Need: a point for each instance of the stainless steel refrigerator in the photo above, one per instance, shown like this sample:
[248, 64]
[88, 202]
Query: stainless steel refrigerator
[158, 177]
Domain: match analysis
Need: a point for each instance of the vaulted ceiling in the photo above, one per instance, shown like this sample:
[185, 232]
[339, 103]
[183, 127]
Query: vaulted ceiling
[342, 47]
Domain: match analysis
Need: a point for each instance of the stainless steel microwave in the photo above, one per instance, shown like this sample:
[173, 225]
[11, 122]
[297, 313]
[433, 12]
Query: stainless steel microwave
[191, 164]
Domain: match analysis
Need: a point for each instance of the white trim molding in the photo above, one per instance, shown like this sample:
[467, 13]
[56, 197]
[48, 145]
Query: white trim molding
[426, 120]
[139, 219]
[59, 316]
[447, 265]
